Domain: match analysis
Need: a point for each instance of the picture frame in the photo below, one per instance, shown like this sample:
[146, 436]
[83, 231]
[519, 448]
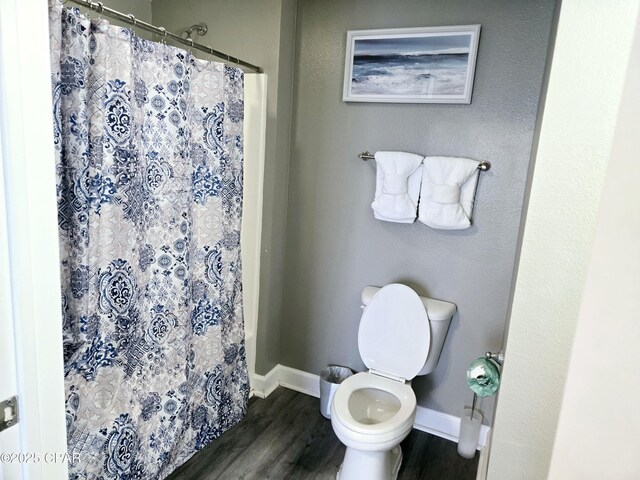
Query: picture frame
[411, 65]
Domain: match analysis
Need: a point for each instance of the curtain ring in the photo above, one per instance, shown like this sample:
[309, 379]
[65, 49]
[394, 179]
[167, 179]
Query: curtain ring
[134, 20]
[190, 45]
[100, 10]
[164, 35]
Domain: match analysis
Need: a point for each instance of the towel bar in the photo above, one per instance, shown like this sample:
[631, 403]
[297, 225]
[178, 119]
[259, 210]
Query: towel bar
[484, 165]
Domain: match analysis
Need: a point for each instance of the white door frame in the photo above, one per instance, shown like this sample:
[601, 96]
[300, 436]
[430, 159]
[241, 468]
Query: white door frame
[10, 438]
[26, 126]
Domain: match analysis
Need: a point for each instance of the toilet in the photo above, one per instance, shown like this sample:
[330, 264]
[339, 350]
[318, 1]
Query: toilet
[401, 335]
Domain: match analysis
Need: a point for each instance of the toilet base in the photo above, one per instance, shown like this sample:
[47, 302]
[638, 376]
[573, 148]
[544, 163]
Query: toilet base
[360, 464]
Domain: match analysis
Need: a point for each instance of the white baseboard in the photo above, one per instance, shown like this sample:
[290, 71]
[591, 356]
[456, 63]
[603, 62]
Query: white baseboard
[298, 380]
[443, 425]
[427, 420]
[263, 385]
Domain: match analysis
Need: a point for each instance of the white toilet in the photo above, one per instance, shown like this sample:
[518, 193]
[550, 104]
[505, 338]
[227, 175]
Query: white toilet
[401, 336]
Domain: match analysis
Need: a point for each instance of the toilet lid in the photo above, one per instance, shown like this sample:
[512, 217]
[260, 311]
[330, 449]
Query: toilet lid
[394, 334]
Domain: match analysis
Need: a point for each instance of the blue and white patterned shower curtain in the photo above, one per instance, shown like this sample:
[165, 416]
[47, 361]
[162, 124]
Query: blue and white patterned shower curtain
[149, 162]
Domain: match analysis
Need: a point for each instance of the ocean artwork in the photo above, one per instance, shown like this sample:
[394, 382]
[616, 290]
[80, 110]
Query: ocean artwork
[424, 67]
[411, 66]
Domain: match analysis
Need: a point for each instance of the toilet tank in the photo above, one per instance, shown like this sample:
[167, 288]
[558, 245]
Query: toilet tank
[440, 314]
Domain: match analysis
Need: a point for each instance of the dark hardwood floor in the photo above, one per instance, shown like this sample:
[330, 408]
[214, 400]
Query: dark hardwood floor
[285, 437]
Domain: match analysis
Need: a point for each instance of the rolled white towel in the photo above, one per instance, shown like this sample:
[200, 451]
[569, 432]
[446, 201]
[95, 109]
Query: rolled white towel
[447, 192]
[398, 179]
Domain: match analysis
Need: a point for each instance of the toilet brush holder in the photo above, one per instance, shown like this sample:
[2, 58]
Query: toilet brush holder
[470, 423]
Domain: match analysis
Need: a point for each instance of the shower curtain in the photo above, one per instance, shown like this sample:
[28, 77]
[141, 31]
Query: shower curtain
[148, 146]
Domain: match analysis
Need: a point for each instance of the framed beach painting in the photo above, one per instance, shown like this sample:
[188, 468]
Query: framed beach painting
[411, 65]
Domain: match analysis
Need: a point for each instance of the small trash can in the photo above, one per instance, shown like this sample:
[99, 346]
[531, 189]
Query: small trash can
[330, 378]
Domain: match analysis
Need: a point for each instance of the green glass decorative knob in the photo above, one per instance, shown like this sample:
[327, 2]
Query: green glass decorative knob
[483, 377]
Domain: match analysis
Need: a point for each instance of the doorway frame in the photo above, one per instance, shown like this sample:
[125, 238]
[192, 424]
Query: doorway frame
[33, 268]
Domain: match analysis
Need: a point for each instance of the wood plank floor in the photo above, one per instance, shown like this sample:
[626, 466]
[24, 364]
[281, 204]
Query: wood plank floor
[285, 437]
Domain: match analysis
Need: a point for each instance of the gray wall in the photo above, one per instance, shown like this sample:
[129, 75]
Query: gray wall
[321, 244]
[261, 32]
[334, 246]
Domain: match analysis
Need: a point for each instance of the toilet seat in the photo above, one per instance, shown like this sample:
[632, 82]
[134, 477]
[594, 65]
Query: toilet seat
[400, 421]
[394, 335]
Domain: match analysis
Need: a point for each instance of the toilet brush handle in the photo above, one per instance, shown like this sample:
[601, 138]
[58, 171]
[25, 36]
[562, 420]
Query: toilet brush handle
[473, 405]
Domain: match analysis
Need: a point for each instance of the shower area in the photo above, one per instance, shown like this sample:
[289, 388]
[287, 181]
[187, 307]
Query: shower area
[159, 162]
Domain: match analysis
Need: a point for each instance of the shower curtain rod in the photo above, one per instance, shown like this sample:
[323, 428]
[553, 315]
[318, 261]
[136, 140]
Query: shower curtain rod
[131, 20]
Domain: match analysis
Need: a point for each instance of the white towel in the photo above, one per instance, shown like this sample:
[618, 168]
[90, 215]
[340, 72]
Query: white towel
[398, 178]
[448, 188]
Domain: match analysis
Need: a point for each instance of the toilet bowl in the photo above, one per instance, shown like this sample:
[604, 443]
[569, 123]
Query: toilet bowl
[371, 415]
[372, 412]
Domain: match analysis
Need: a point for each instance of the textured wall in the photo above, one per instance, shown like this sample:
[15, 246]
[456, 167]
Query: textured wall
[611, 292]
[260, 32]
[574, 148]
[334, 245]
